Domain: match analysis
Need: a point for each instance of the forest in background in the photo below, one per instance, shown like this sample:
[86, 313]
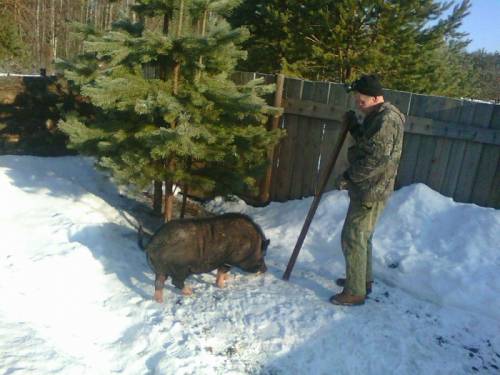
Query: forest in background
[323, 40]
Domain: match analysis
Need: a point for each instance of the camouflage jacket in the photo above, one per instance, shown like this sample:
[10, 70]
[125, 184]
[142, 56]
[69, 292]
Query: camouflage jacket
[374, 158]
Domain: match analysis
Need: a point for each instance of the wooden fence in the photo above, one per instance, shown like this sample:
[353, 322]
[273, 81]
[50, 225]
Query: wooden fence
[451, 145]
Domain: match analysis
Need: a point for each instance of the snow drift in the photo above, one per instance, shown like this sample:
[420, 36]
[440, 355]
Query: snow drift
[76, 290]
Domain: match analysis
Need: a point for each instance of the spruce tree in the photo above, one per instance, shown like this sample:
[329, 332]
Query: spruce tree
[273, 25]
[411, 44]
[191, 125]
[486, 67]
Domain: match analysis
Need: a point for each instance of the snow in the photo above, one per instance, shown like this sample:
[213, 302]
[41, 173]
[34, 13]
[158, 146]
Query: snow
[77, 291]
[18, 75]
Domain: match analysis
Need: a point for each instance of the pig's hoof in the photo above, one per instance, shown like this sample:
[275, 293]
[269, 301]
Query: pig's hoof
[158, 297]
[220, 282]
[187, 291]
[221, 279]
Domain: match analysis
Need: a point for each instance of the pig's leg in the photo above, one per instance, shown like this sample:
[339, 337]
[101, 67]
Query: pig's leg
[159, 283]
[222, 275]
[178, 280]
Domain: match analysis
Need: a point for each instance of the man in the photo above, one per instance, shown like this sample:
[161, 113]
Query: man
[373, 164]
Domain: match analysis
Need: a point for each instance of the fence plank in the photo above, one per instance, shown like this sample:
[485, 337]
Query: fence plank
[287, 150]
[468, 171]
[495, 118]
[331, 133]
[319, 93]
[323, 95]
[237, 77]
[283, 173]
[488, 163]
[479, 115]
[247, 77]
[276, 161]
[299, 162]
[448, 111]
[401, 99]
[304, 132]
[299, 158]
[453, 168]
[338, 98]
[424, 158]
[411, 143]
[311, 157]
[456, 155]
[421, 106]
[494, 195]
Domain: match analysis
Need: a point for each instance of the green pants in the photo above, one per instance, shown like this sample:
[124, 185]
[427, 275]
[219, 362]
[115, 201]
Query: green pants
[357, 236]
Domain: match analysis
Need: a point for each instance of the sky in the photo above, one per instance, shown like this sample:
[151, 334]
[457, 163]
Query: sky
[483, 25]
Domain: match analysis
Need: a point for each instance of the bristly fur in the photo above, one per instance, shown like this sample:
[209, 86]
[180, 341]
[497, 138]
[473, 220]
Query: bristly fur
[140, 236]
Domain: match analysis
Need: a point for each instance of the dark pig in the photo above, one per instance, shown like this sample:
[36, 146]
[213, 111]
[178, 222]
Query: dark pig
[191, 246]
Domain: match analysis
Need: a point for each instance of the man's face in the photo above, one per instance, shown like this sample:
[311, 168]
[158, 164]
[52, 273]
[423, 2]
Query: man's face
[366, 103]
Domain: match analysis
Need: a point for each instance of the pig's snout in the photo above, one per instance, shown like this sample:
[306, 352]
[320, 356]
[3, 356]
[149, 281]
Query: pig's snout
[257, 267]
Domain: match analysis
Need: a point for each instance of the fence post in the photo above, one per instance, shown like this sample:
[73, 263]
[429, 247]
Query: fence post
[265, 185]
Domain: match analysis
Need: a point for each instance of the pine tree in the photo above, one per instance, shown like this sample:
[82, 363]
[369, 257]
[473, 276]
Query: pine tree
[486, 74]
[190, 126]
[409, 43]
[12, 47]
[273, 25]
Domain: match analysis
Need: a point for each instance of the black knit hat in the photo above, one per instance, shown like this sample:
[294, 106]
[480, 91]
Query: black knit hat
[367, 85]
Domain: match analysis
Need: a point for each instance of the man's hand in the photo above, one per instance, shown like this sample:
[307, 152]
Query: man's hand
[350, 119]
[341, 182]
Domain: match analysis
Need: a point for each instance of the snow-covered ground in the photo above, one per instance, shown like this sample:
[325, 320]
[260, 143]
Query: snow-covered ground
[18, 75]
[76, 290]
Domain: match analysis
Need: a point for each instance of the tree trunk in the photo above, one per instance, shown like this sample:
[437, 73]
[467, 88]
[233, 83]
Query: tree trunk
[185, 190]
[169, 200]
[37, 38]
[177, 66]
[54, 33]
[96, 13]
[202, 31]
[184, 200]
[110, 16]
[43, 22]
[63, 31]
[157, 197]
[169, 195]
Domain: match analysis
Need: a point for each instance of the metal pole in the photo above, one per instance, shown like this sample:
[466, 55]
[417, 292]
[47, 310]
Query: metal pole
[315, 203]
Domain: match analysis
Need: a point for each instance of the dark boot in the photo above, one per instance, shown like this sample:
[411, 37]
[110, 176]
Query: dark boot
[341, 282]
[345, 299]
